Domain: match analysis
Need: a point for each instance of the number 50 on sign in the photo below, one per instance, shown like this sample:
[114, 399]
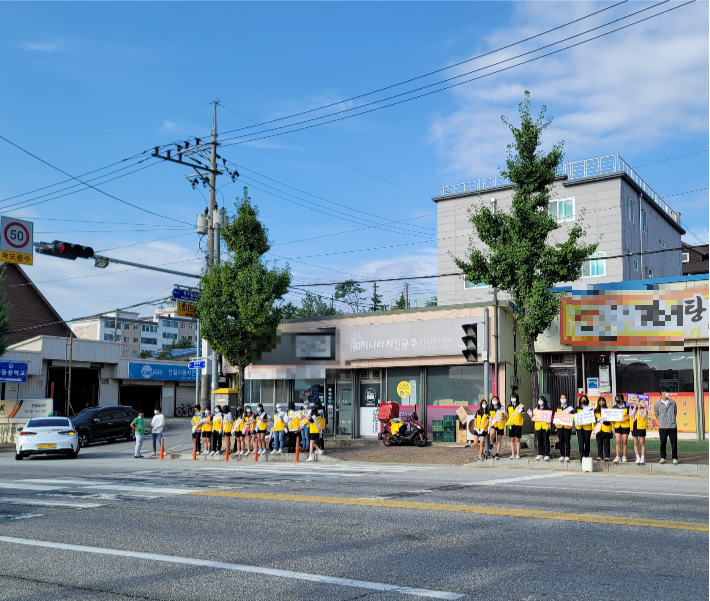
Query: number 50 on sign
[15, 241]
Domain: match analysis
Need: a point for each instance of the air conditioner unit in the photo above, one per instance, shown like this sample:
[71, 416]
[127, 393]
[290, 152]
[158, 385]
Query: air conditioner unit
[375, 374]
[562, 360]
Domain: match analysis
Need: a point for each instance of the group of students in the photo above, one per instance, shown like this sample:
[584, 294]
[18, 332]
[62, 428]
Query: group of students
[490, 423]
[248, 429]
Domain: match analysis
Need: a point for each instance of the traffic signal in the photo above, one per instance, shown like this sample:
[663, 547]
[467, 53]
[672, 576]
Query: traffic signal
[67, 250]
[470, 341]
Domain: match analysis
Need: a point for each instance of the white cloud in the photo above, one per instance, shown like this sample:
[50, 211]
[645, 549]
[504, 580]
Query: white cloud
[646, 83]
[41, 47]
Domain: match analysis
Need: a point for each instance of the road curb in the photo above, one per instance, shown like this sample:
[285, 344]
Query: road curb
[666, 469]
[282, 458]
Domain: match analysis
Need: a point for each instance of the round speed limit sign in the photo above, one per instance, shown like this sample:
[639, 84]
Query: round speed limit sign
[16, 241]
[16, 235]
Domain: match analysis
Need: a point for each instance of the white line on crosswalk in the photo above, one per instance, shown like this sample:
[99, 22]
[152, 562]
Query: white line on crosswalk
[23, 486]
[362, 584]
[518, 479]
[45, 503]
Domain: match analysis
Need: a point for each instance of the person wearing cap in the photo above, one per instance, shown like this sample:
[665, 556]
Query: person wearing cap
[197, 428]
[207, 431]
[279, 430]
[156, 428]
[227, 423]
[217, 431]
[138, 426]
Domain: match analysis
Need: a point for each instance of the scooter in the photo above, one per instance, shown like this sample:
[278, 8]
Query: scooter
[416, 434]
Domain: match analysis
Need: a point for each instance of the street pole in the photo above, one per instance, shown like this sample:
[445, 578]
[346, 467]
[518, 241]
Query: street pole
[205, 392]
[115, 326]
[198, 371]
[216, 258]
[71, 341]
[496, 389]
[406, 295]
[374, 297]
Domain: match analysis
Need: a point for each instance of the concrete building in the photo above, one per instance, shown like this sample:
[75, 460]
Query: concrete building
[617, 207]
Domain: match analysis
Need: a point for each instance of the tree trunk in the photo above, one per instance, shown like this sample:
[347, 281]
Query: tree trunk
[534, 382]
[240, 375]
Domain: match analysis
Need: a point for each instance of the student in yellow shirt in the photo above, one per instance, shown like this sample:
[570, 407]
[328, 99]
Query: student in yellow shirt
[260, 427]
[248, 429]
[216, 431]
[227, 423]
[604, 435]
[564, 433]
[197, 428]
[639, 419]
[497, 429]
[515, 425]
[621, 430]
[207, 432]
[542, 434]
[315, 428]
[483, 420]
[584, 433]
[237, 429]
[280, 426]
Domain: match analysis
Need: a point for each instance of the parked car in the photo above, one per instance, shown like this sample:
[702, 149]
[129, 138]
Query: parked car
[106, 423]
[47, 436]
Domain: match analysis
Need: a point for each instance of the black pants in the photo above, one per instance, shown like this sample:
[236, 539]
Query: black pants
[542, 439]
[216, 441]
[564, 435]
[584, 440]
[197, 437]
[604, 445]
[665, 434]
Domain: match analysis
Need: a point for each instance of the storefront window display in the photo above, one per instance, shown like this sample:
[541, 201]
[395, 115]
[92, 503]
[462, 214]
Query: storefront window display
[447, 389]
[411, 377]
[308, 390]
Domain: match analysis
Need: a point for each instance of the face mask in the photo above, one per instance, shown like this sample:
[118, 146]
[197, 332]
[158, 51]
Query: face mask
[513, 401]
[156, 413]
[585, 403]
[495, 403]
[665, 394]
[483, 406]
[602, 405]
[563, 401]
[540, 403]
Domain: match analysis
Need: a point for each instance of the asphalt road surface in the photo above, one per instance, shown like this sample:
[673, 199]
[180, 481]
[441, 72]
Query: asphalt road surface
[109, 527]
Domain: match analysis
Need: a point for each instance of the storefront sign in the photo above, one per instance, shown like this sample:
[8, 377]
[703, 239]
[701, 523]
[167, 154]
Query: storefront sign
[612, 415]
[584, 418]
[13, 371]
[604, 381]
[404, 389]
[157, 371]
[26, 408]
[563, 419]
[542, 415]
[425, 338]
[593, 385]
[634, 318]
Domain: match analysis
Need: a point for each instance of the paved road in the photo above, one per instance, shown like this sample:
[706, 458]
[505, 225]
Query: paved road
[106, 526]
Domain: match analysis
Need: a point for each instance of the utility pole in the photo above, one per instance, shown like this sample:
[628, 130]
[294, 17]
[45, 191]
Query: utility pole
[115, 326]
[406, 295]
[216, 258]
[71, 340]
[374, 298]
[331, 302]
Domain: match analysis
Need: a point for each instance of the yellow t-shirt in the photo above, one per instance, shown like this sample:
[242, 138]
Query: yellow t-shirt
[278, 422]
[207, 426]
[294, 423]
[196, 420]
[625, 422]
[606, 426]
[481, 421]
[227, 427]
[640, 421]
[514, 419]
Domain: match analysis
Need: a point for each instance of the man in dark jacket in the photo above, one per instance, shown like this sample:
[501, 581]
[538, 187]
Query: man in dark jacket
[666, 411]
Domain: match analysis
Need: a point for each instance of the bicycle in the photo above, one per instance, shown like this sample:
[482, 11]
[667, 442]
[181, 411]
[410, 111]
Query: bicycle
[183, 410]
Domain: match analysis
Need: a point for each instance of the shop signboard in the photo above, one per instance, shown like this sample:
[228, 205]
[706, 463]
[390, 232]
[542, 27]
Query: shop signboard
[160, 371]
[13, 371]
[656, 319]
[593, 385]
[404, 389]
[26, 408]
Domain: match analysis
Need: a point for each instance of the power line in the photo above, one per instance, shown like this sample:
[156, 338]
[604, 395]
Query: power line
[34, 156]
[145, 242]
[456, 84]
[671, 159]
[681, 193]
[424, 75]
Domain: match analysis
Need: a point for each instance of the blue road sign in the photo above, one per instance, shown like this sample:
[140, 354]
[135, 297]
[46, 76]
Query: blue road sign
[202, 364]
[13, 371]
[189, 296]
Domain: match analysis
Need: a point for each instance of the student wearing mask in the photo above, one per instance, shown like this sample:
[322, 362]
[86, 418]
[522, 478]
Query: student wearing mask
[584, 433]
[314, 431]
[604, 434]
[483, 419]
[304, 417]
[237, 429]
[497, 428]
[639, 419]
[666, 412]
[262, 425]
[621, 430]
[227, 424]
[279, 428]
[542, 434]
[564, 433]
[247, 429]
[216, 431]
[294, 425]
[515, 425]
[207, 432]
[197, 428]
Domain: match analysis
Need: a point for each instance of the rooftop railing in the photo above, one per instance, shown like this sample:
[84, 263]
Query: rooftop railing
[576, 170]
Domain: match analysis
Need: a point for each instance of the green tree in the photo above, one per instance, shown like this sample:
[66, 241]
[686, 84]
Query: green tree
[289, 311]
[350, 292]
[400, 303]
[518, 258]
[145, 355]
[431, 302]
[376, 300]
[4, 317]
[184, 342]
[313, 305]
[164, 354]
[237, 310]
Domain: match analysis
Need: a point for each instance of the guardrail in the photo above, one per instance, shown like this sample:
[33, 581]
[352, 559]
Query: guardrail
[575, 170]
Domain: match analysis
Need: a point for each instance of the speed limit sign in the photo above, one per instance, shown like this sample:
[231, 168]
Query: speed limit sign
[16, 242]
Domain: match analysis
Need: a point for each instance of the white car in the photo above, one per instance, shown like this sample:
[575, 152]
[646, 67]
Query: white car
[47, 435]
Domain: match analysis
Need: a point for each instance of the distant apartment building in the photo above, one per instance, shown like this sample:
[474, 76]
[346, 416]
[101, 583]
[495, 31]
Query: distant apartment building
[136, 333]
[618, 209]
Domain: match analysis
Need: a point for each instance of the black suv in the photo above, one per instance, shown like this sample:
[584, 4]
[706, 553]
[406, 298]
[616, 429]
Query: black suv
[105, 423]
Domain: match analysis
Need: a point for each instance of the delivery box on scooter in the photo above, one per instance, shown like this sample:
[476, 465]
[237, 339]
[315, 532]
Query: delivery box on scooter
[387, 411]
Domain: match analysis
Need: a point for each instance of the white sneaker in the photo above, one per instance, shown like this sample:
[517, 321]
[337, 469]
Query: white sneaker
[273, 452]
[562, 459]
[642, 460]
[662, 461]
[624, 460]
[638, 459]
[511, 457]
[310, 458]
[320, 451]
[538, 458]
[616, 459]
[675, 462]
[547, 458]
[566, 459]
[279, 452]
[517, 456]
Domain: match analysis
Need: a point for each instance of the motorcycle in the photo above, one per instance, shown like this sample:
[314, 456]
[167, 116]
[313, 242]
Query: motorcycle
[395, 431]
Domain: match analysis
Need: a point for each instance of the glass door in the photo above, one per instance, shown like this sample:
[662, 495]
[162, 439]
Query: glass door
[344, 409]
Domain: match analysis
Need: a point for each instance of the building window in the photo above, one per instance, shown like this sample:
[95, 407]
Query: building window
[170, 324]
[126, 339]
[649, 272]
[148, 328]
[595, 266]
[135, 340]
[562, 209]
[126, 326]
[170, 335]
[125, 351]
[662, 242]
[636, 264]
[630, 209]
[108, 337]
[644, 222]
[149, 341]
[109, 323]
[469, 284]
[686, 257]
[189, 327]
[135, 327]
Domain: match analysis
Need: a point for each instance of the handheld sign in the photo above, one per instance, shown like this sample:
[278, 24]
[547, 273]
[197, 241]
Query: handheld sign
[644, 400]
[563, 419]
[542, 415]
[612, 415]
[584, 418]
[632, 399]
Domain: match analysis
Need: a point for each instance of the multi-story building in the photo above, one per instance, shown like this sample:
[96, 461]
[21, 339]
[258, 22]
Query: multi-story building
[695, 259]
[618, 209]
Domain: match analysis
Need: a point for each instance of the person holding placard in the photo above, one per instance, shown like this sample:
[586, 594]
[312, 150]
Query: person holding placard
[515, 425]
[564, 431]
[483, 419]
[497, 429]
[639, 419]
[542, 433]
[621, 430]
[584, 431]
[603, 432]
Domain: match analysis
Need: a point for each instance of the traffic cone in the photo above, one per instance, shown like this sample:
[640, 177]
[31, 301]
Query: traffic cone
[194, 449]
[162, 447]
[298, 447]
[226, 451]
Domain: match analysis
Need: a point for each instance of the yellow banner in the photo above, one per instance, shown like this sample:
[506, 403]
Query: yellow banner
[9, 256]
[186, 309]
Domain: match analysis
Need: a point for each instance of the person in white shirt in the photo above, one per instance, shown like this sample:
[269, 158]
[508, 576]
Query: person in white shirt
[157, 424]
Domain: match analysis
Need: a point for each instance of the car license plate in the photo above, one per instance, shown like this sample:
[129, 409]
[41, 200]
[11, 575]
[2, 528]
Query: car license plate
[46, 446]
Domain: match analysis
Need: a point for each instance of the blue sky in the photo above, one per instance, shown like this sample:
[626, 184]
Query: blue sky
[88, 84]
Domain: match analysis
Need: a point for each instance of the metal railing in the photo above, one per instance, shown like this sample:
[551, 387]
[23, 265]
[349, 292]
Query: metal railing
[575, 170]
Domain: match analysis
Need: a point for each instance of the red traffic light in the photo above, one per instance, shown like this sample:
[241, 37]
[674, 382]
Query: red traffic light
[67, 250]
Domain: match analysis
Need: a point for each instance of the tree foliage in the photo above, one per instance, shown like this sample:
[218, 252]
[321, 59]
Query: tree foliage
[313, 305]
[376, 300]
[237, 310]
[518, 258]
[350, 292]
[431, 302]
[400, 303]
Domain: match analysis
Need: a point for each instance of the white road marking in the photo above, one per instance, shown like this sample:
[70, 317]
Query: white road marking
[363, 584]
[21, 486]
[45, 503]
[627, 492]
[154, 489]
[518, 479]
[67, 482]
[21, 516]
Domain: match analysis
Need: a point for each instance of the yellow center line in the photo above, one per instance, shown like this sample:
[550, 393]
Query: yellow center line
[525, 513]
